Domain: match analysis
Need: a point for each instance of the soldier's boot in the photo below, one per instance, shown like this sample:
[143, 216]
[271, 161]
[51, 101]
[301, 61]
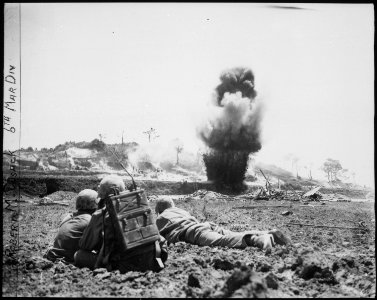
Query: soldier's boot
[280, 238]
[262, 241]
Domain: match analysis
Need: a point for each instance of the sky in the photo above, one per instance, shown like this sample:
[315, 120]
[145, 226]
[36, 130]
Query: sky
[96, 68]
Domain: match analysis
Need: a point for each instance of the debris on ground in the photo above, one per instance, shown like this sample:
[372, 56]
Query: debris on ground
[63, 196]
[199, 193]
[48, 201]
[320, 262]
[286, 213]
[212, 197]
[57, 198]
[260, 206]
[336, 197]
[206, 197]
[313, 194]
[306, 204]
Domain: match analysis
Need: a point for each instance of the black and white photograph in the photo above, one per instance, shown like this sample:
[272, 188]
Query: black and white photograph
[188, 150]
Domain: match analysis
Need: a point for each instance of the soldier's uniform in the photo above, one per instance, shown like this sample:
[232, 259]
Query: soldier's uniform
[91, 242]
[71, 228]
[90, 255]
[92, 236]
[176, 224]
[67, 240]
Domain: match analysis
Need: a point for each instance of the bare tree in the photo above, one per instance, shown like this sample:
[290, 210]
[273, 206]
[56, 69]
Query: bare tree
[151, 133]
[295, 162]
[310, 171]
[101, 137]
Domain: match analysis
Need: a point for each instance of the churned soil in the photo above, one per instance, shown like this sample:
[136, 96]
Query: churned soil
[321, 262]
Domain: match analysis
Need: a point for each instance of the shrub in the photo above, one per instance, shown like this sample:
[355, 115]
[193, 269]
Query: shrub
[96, 144]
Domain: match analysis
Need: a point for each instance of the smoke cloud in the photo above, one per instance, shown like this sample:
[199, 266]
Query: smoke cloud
[236, 80]
[232, 130]
[234, 123]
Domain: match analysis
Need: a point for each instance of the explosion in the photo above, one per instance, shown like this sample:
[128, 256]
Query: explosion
[232, 132]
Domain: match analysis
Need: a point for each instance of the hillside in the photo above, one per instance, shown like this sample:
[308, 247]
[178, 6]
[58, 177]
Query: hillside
[88, 158]
[95, 158]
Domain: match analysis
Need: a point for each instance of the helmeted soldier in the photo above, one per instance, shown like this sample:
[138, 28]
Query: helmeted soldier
[176, 224]
[91, 243]
[72, 227]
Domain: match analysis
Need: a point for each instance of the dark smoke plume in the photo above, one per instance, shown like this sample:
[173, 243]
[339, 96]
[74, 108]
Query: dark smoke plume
[226, 167]
[235, 122]
[234, 126]
[232, 132]
[236, 80]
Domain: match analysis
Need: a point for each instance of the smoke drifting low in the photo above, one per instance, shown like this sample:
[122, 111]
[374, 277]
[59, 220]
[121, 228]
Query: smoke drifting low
[232, 131]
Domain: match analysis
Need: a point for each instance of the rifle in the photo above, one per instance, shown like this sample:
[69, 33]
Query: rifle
[119, 161]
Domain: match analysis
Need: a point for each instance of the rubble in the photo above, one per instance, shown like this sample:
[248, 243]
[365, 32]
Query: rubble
[286, 213]
[57, 198]
[336, 197]
[199, 193]
[313, 194]
[48, 201]
[206, 197]
[270, 194]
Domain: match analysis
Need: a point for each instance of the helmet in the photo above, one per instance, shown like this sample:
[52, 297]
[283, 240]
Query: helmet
[163, 204]
[107, 184]
[86, 199]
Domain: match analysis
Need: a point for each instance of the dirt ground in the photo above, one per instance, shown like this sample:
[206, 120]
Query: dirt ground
[321, 262]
